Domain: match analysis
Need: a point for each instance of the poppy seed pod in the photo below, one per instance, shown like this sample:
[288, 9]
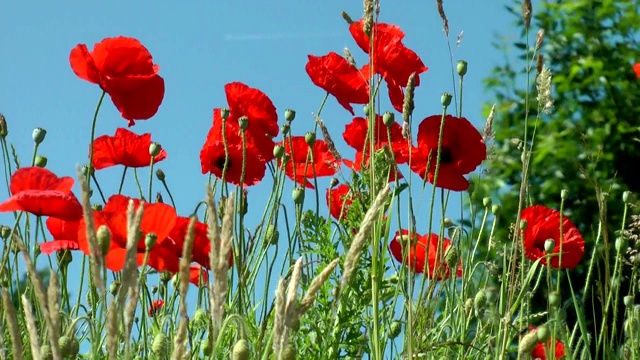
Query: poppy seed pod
[289, 115]
[549, 245]
[564, 194]
[64, 257]
[243, 122]
[150, 241]
[5, 231]
[40, 161]
[445, 99]
[366, 109]
[298, 196]
[38, 135]
[461, 67]
[224, 113]
[278, 151]
[554, 299]
[310, 138]
[154, 149]
[388, 118]
[285, 128]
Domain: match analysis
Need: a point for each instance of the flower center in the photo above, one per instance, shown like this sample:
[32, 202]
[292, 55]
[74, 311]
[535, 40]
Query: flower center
[445, 155]
[219, 162]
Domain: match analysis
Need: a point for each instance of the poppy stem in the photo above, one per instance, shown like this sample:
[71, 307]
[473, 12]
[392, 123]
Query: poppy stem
[93, 136]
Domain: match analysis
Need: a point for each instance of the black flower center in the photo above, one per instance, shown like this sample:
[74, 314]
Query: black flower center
[219, 162]
[445, 155]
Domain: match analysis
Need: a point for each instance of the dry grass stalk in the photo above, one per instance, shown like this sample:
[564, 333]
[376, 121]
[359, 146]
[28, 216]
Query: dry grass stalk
[353, 255]
[134, 218]
[316, 284]
[367, 17]
[327, 139]
[443, 16]
[279, 330]
[32, 329]
[96, 258]
[487, 132]
[526, 13]
[53, 295]
[11, 318]
[213, 234]
[291, 306]
[179, 348]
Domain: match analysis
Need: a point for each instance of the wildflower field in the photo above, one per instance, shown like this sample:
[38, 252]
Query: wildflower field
[408, 235]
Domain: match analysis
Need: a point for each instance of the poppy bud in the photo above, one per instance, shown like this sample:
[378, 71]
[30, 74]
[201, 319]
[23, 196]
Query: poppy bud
[160, 174]
[564, 194]
[394, 329]
[486, 201]
[45, 352]
[160, 344]
[64, 258]
[224, 113]
[523, 225]
[159, 198]
[621, 244]
[445, 99]
[278, 151]
[104, 239]
[272, 235]
[310, 138]
[333, 182]
[542, 333]
[347, 18]
[69, 346]
[114, 287]
[451, 257]
[289, 115]
[241, 350]
[154, 149]
[628, 300]
[495, 209]
[200, 316]
[388, 118]
[461, 67]
[285, 128]
[40, 161]
[528, 342]
[549, 245]
[480, 300]
[366, 109]
[554, 299]
[5, 231]
[447, 223]
[38, 135]
[243, 122]
[96, 207]
[87, 170]
[468, 306]
[298, 195]
[165, 276]
[285, 159]
[626, 196]
[36, 250]
[4, 130]
[150, 240]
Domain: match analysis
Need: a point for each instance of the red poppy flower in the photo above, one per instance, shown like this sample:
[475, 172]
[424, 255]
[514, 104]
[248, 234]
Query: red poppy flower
[335, 75]
[391, 58]
[213, 156]
[539, 351]
[462, 151]
[155, 307]
[158, 218]
[544, 224]
[339, 200]
[124, 148]
[636, 69]
[198, 275]
[299, 168]
[40, 192]
[124, 69]
[356, 135]
[65, 236]
[420, 247]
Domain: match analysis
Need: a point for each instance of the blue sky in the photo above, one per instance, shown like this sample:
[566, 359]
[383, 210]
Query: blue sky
[202, 45]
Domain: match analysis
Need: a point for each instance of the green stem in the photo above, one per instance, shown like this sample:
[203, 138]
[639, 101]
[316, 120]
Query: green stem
[93, 135]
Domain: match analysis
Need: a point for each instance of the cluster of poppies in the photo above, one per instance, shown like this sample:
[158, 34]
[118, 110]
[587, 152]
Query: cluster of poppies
[247, 128]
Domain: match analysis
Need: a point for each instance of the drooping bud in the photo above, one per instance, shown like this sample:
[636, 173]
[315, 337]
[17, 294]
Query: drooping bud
[298, 196]
[461, 67]
[38, 135]
[310, 138]
[160, 344]
[243, 122]
[394, 329]
[388, 118]
[69, 346]
[150, 240]
[41, 161]
[495, 209]
[480, 300]
[486, 201]
[154, 149]
[542, 333]
[333, 183]
[447, 222]
[241, 350]
[528, 342]
[628, 301]
[289, 115]
[160, 174]
[451, 257]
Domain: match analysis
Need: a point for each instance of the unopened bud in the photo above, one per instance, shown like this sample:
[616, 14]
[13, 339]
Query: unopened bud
[451, 257]
[159, 198]
[542, 333]
[40, 161]
[160, 174]
[461, 67]
[104, 239]
[272, 235]
[554, 299]
[495, 209]
[38, 135]
[87, 170]
[114, 287]
[160, 344]
[628, 301]
[69, 346]
[528, 342]
[5, 231]
[523, 225]
[241, 350]
[480, 300]
[366, 109]
[621, 244]
[486, 201]
[447, 222]
[96, 207]
[154, 149]
[289, 115]
[564, 194]
[333, 183]
[394, 329]
[347, 18]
